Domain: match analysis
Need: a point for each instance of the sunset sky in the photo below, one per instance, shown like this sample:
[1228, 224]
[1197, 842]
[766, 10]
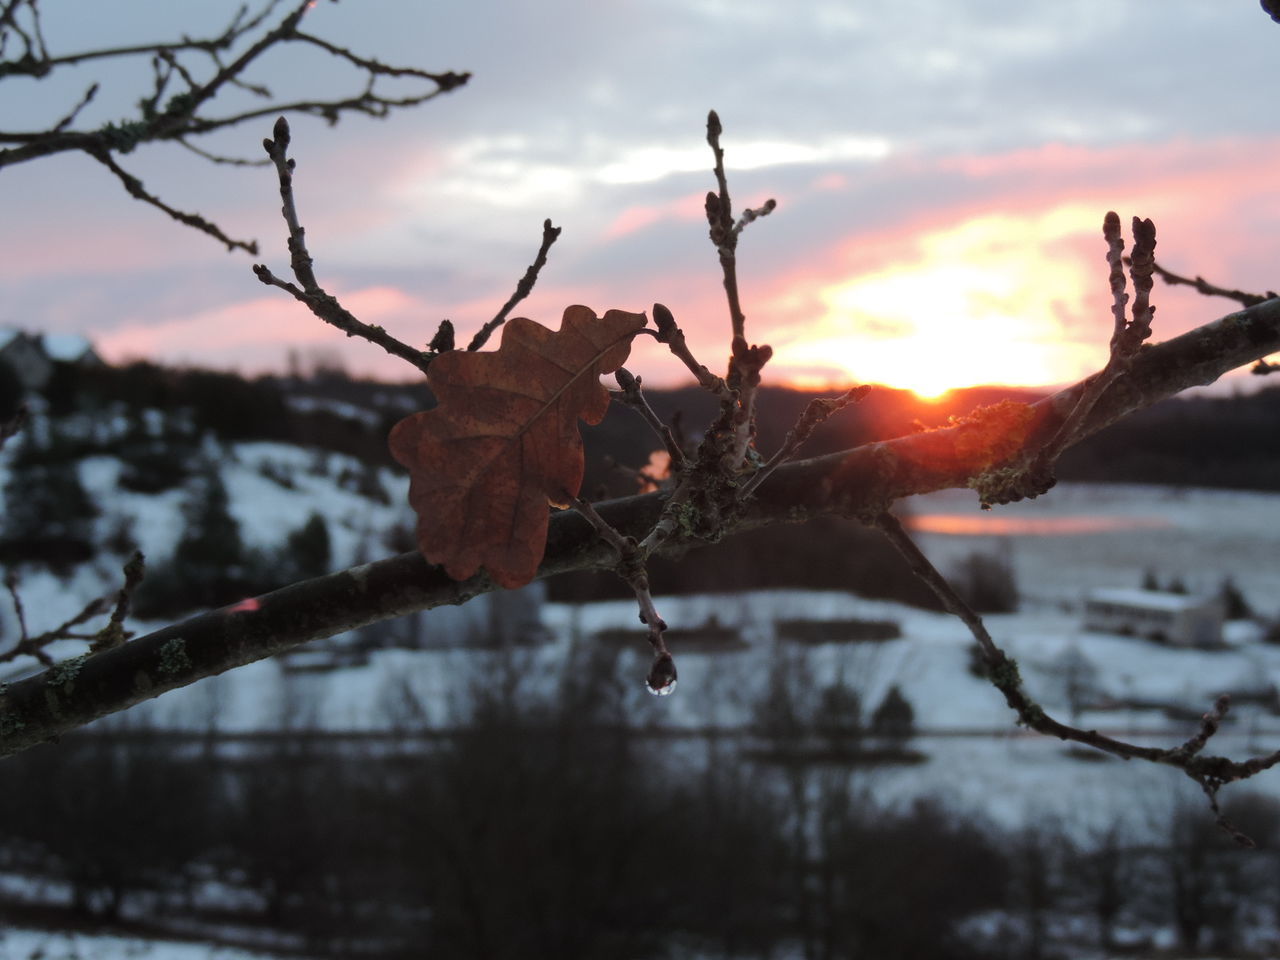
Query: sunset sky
[941, 168]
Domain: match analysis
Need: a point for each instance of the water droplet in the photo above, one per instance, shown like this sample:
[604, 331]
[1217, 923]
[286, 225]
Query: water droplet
[666, 691]
[661, 681]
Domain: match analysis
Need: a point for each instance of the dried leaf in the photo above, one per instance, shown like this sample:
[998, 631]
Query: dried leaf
[503, 440]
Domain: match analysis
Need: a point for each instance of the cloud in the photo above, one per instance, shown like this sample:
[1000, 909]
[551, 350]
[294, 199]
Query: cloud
[998, 278]
[886, 134]
[256, 335]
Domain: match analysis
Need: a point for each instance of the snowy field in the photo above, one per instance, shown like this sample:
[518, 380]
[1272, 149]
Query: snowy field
[1078, 538]
[1196, 535]
[49, 945]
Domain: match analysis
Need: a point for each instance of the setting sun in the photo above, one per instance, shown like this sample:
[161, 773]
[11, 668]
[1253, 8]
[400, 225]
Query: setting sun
[993, 300]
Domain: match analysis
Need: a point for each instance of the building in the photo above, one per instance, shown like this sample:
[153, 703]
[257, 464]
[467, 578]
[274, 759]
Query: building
[1180, 620]
[31, 357]
[25, 357]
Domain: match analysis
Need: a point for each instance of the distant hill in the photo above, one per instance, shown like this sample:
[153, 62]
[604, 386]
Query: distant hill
[1185, 441]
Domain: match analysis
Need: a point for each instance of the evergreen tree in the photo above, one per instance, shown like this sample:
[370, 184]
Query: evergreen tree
[308, 551]
[895, 718]
[48, 516]
[12, 392]
[838, 717]
[209, 561]
[987, 582]
[152, 464]
[1234, 604]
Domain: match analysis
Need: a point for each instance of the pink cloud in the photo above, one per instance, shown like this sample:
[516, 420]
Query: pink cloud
[1033, 254]
[1211, 202]
[256, 335]
[632, 219]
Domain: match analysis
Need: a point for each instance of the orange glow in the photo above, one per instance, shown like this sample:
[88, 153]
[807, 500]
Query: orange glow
[994, 524]
[988, 300]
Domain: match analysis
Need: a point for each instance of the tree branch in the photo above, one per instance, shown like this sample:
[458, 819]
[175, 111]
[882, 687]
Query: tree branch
[861, 482]
[179, 118]
[321, 303]
[1201, 285]
[1211, 773]
[136, 190]
[549, 236]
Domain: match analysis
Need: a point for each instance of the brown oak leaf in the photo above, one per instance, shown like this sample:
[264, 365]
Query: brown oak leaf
[503, 442]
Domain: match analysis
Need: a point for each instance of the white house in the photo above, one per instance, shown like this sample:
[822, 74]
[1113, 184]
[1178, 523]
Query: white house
[26, 359]
[1174, 618]
[31, 356]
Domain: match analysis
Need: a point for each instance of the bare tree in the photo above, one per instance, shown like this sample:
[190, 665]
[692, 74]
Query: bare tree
[1005, 452]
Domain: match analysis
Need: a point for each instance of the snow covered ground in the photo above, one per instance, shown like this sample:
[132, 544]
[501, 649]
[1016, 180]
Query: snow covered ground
[1079, 537]
[51, 945]
[1194, 534]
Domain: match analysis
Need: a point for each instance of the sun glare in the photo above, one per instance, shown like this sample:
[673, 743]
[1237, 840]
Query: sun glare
[993, 300]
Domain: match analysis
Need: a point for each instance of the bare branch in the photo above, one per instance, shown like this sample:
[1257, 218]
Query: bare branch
[220, 159]
[1203, 286]
[75, 111]
[445, 81]
[670, 334]
[136, 189]
[750, 216]
[631, 570]
[815, 413]
[745, 361]
[1127, 335]
[861, 482]
[114, 634]
[634, 398]
[317, 300]
[1210, 772]
[197, 65]
[549, 236]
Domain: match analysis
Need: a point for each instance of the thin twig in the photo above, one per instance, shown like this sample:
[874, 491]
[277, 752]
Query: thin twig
[751, 215]
[631, 569]
[11, 584]
[549, 236]
[634, 397]
[111, 635]
[114, 634]
[445, 81]
[1127, 334]
[135, 188]
[670, 334]
[815, 413]
[1210, 772]
[745, 361]
[181, 118]
[1201, 285]
[224, 160]
[70, 118]
[719, 210]
[318, 301]
[1209, 724]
